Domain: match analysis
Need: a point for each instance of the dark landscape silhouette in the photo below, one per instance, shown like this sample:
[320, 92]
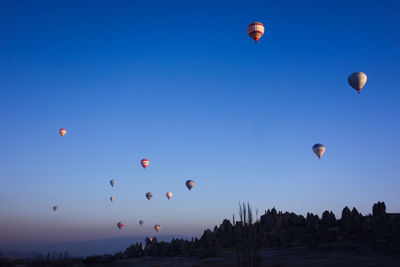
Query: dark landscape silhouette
[354, 239]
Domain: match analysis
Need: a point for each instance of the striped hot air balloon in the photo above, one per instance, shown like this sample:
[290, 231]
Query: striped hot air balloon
[62, 131]
[319, 150]
[255, 30]
[145, 163]
[357, 80]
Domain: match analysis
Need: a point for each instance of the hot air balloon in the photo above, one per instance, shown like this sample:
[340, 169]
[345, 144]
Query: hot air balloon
[189, 184]
[319, 150]
[357, 80]
[145, 163]
[149, 238]
[120, 225]
[62, 131]
[141, 222]
[113, 182]
[149, 195]
[169, 195]
[157, 227]
[55, 208]
[112, 198]
[255, 30]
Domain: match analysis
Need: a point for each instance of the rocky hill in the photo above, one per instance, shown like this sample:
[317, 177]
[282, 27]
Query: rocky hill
[378, 232]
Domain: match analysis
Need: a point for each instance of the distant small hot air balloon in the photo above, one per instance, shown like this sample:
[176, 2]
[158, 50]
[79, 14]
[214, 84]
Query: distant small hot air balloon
[157, 227]
[357, 80]
[169, 195]
[149, 238]
[189, 184]
[255, 30]
[55, 208]
[149, 195]
[62, 131]
[319, 150]
[112, 182]
[112, 198]
[141, 222]
[120, 225]
[145, 163]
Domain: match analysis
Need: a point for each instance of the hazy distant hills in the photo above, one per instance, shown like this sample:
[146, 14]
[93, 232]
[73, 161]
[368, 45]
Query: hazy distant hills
[78, 248]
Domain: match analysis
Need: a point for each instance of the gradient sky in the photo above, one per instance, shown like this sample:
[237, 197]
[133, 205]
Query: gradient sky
[181, 83]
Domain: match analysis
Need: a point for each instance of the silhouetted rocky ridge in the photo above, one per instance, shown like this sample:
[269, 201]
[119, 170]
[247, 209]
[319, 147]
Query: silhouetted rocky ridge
[377, 232]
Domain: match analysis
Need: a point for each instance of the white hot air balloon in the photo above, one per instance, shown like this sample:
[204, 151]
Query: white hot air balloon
[357, 80]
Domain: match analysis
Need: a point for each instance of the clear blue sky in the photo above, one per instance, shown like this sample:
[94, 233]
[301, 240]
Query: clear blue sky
[181, 83]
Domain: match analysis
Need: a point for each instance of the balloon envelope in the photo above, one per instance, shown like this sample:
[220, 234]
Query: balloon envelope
[169, 195]
[55, 208]
[157, 227]
[189, 184]
[255, 30]
[149, 195]
[357, 80]
[112, 198]
[145, 163]
[113, 182]
[62, 131]
[141, 222]
[120, 225]
[319, 150]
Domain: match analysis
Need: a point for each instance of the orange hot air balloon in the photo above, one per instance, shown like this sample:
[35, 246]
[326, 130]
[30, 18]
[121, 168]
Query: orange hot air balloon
[62, 131]
[255, 30]
[145, 163]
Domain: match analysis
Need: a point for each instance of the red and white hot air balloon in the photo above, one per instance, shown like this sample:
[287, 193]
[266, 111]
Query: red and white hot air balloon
[255, 30]
[120, 225]
[62, 131]
[145, 163]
